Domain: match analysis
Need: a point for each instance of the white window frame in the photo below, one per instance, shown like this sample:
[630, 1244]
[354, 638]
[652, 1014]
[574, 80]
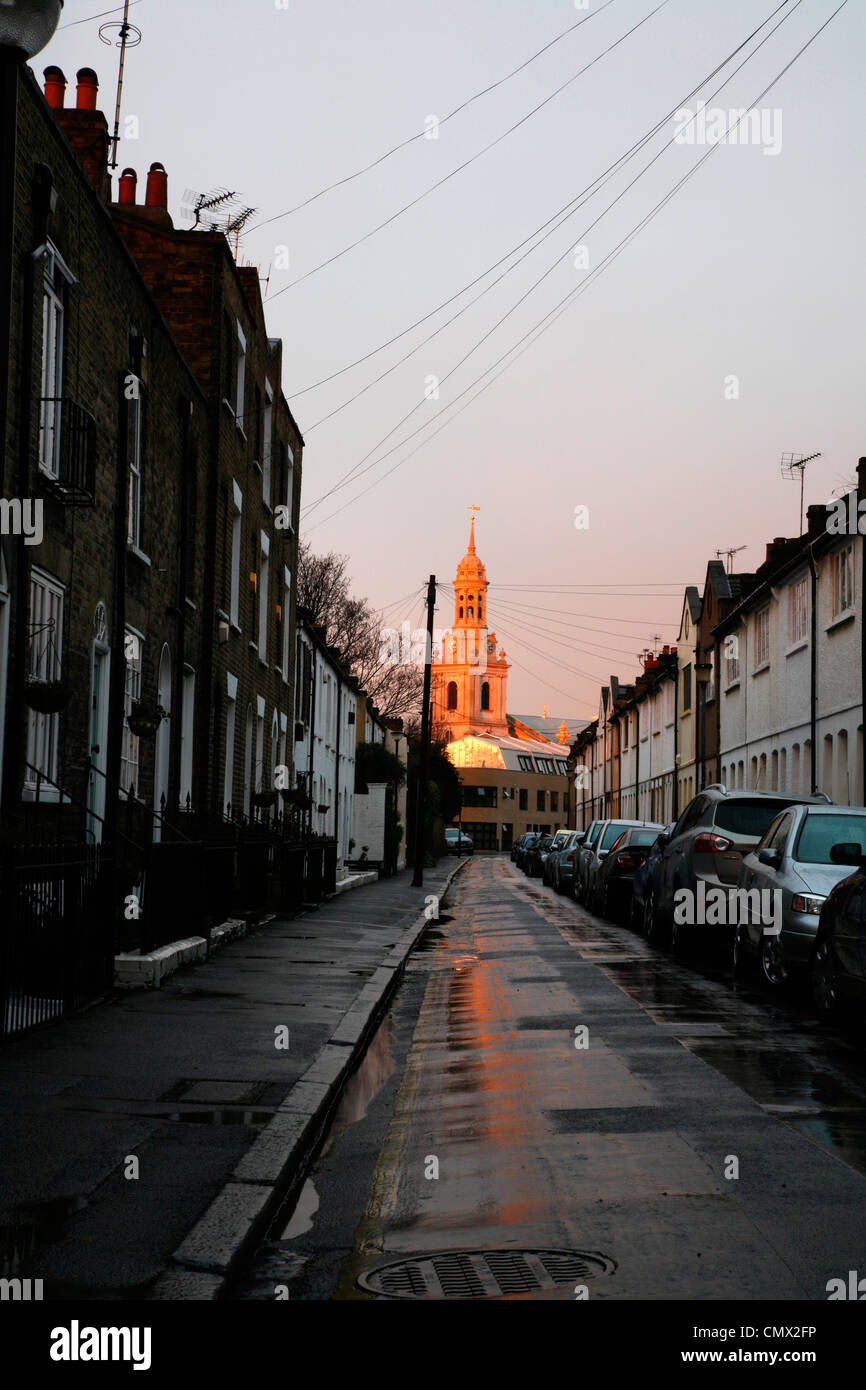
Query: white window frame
[263, 586]
[799, 611]
[762, 637]
[240, 375]
[267, 444]
[843, 581]
[56, 279]
[133, 505]
[259, 743]
[235, 582]
[284, 619]
[42, 729]
[130, 750]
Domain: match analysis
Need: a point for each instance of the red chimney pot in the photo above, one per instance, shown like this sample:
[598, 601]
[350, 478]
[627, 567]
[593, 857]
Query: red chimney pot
[156, 195]
[88, 86]
[126, 188]
[55, 87]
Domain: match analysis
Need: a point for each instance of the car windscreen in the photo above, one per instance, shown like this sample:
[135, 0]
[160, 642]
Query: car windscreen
[643, 837]
[747, 820]
[451, 834]
[818, 835]
[611, 832]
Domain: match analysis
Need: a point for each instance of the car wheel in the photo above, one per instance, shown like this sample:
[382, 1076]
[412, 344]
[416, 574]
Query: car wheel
[774, 971]
[740, 954]
[825, 985]
[652, 925]
[677, 938]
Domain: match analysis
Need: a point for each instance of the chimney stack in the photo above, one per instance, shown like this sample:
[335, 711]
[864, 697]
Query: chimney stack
[87, 89]
[85, 128]
[127, 187]
[156, 194]
[55, 87]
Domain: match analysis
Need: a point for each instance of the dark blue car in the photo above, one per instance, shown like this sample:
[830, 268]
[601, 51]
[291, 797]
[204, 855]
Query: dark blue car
[641, 879]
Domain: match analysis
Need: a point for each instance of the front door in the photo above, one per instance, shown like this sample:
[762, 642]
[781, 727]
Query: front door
[98, 742]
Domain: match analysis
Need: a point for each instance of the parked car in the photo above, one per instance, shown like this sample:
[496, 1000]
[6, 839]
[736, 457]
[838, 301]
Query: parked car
[592, 832]
[708, 843]
[524, 845]
[562, 873]
[559, 840]
[643, 877]
[615, 874]
[533, 863]
[457, 841]
[838, 963]
[794, 860]
[591, 862]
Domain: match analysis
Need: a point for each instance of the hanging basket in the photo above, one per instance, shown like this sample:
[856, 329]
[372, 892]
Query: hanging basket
[264, 799]
[293, 796]
[144, 719]
[46, 697]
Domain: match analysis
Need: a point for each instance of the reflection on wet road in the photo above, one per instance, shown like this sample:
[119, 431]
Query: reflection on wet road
[540, 1086]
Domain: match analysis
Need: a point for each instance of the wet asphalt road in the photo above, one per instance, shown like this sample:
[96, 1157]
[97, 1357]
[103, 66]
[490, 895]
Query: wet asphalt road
[703, 1141]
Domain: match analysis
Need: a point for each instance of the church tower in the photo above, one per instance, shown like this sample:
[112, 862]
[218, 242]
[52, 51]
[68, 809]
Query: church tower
[470, 677]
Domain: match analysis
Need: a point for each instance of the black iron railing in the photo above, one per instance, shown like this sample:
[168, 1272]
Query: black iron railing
[67, 450]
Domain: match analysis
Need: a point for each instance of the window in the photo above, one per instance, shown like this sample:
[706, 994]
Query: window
[524, 763]
[236, 513]
[46, 650]
[480, 796]
[452, 694]
[266, 447]
[240, 376]
[539, 801]
[799, 611]
[55, 283]
[544, 765]
[264, 576]
[843, 581]
[231, 716]
[732, 644]
[290, 480]
[485, 695]
[187, 721]
[285, 625]
[523, 802]
[135, 406]
[710, 659]
[762, 638]
[687, 686]
[554, 801]
[129, 748]
[625, 723]
[260, 742]
[562, 768]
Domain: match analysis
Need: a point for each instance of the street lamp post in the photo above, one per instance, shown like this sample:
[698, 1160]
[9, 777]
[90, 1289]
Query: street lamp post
[26, 26]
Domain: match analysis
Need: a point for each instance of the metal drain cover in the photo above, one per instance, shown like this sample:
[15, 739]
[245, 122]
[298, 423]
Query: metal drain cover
[483, 1273]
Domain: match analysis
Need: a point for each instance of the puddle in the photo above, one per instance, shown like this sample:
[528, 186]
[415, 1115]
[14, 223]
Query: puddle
[302, 1217]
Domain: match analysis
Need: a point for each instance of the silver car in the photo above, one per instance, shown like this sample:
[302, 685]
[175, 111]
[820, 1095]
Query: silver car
[793, 859]
[582, 857]
[598, 852]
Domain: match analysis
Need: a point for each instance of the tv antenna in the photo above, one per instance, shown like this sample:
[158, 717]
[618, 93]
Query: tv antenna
[731, 551]
[217, 211]
[127, 36]
[794, 467]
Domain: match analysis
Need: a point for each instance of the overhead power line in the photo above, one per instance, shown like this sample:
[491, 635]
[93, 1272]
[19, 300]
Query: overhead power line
[532, 335]
[559, 218]
[359, 241]
[358, 470]
[420, 134]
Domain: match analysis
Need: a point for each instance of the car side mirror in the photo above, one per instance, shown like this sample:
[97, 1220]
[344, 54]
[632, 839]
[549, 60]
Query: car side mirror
[663, 839]
[847, 853]
[603, 853]
[771, 857]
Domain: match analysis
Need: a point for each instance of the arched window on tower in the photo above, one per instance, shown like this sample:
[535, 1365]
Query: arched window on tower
[480, 614]
[461, 610]
[471, 613]
[485, 695]
[452, 694]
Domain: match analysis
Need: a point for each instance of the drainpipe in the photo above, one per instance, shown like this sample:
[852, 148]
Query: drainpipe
[861, 480]
[312, 734]
[337, 766]
[637, 815]
[675, 804]
[813, 692]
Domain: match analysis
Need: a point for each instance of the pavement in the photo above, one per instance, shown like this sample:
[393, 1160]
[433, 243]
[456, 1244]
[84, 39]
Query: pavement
[548, 1082]
[145, 1144]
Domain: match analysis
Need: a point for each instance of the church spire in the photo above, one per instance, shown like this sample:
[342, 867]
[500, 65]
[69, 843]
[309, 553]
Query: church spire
[471, 547]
